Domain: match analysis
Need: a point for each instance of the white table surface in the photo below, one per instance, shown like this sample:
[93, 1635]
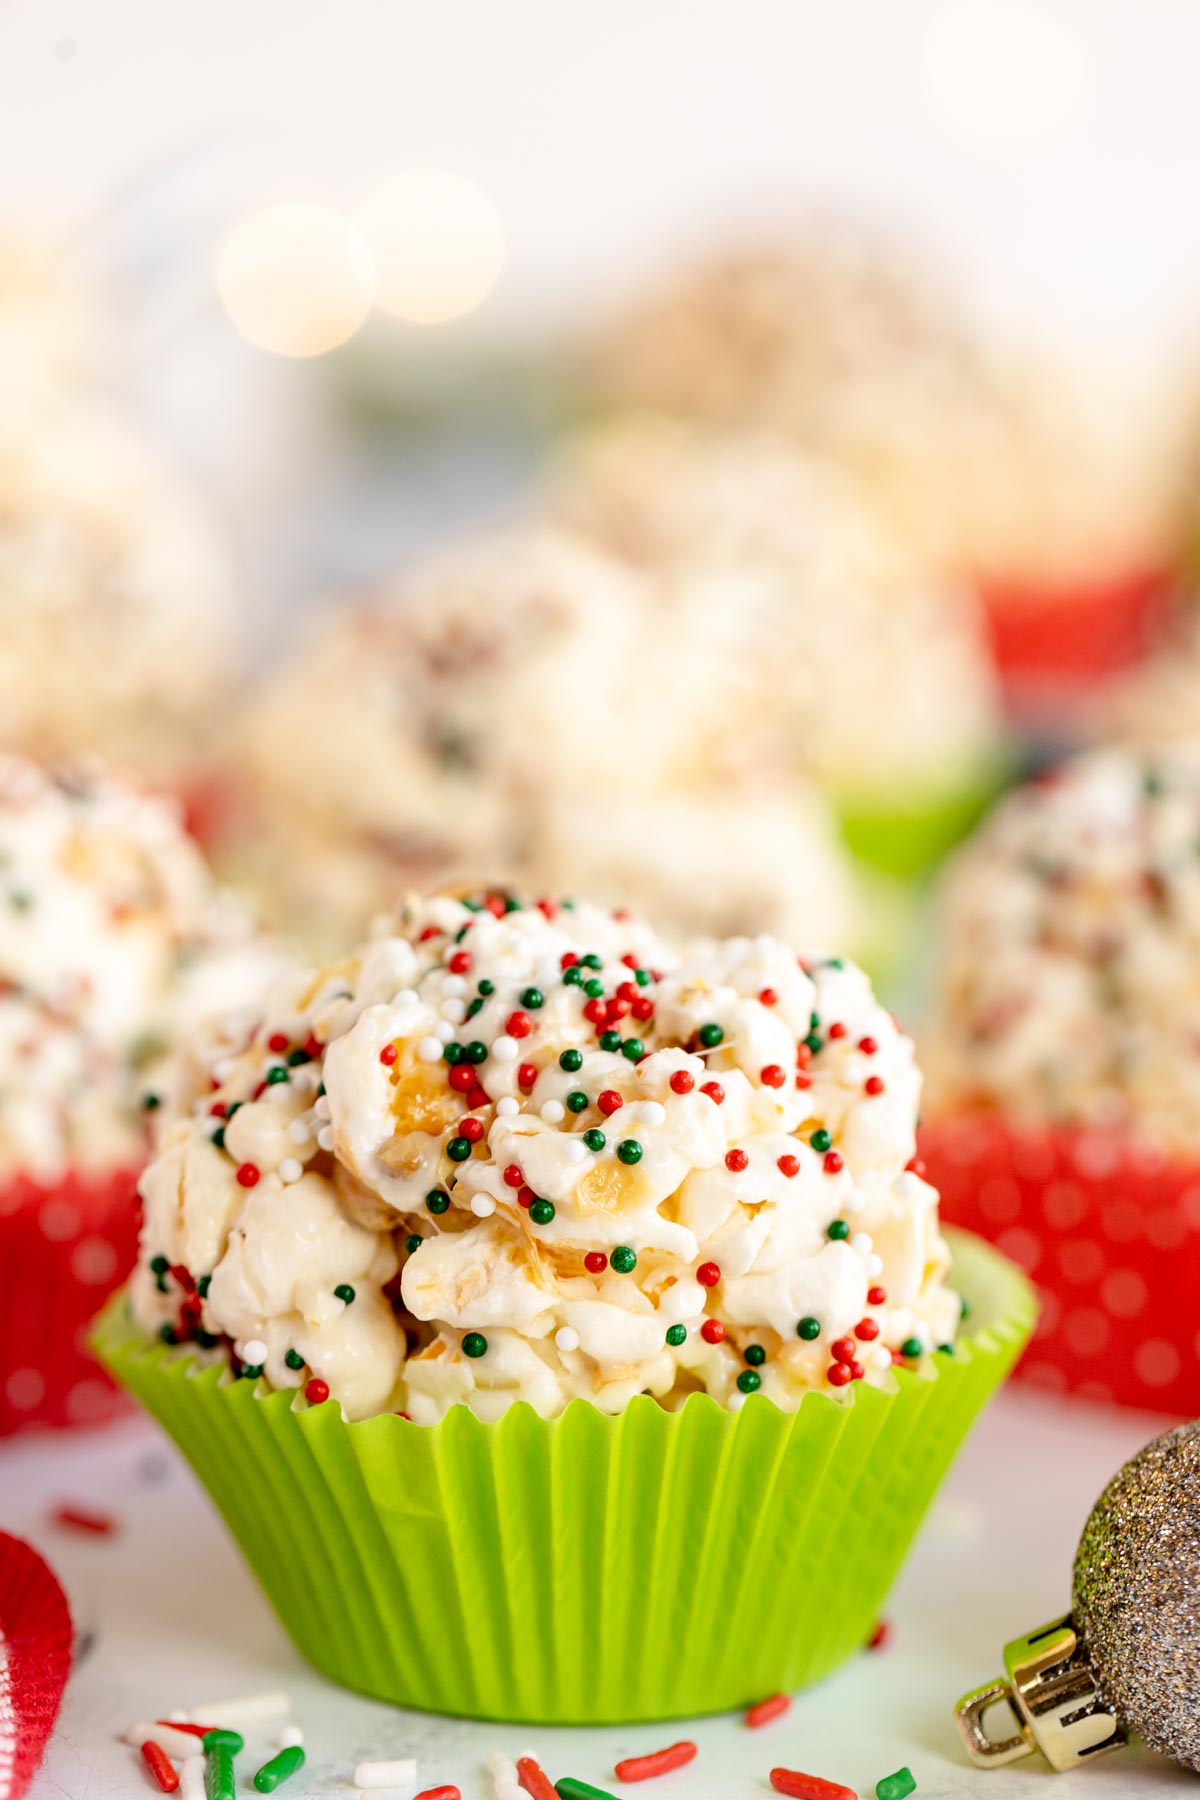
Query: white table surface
[178, 1620]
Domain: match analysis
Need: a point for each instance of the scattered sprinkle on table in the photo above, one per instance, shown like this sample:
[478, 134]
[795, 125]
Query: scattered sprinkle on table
[656, 1762]
[160, 1766]
[763, 1711]
[85, 1519]
[247, 1709]
[198, 1732]
[879, 1637]
[534, 1779]
[178, 1744]
[438, 1793]
[220, 1738]
[289, 1737]
[282, 1765]
[505, 1781]
[220, 1780]
[401, 1773]
[808, 1787]
[570, 1789]
[191, 1780]
[895, 1787]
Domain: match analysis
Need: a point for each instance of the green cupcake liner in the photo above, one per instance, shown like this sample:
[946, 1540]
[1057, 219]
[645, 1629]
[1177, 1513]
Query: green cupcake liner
[591, 1569]
[909, 835]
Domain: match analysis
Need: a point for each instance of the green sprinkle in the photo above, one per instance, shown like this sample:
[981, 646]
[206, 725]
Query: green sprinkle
[343, 1291]
[623, 1259]
[570, 1789]
[222, 1738]
[710, 1036]
[294, 1360]
[218, 1138]
[576, 1101]
[642, 977]
[676, 1335]
[571, 1061]
[168, 1334]
[296, 1058]
[161, 1284]
[150, 1102]
[821, 1140]
[911, 1347]
[251, 1371]
[809, 1328]
[279, 1768]
[812, 1042]
[609, 1040]
[453, 1053]
[275, 1076]
[755, 1355]
[595, 1138]
[159, 1265]
[235, 1106]
[541, 1211]
[437, 1201]
[749, 1381]
[203, 1283]
[475, 1006]
[895, 1787]
[945, 1349]
[964, 1309]
[634, 1049]
[475, 1052]
[573, 977]
[533, 997]
[207, 1340]
[838, 1230]
[413, 1242]
[458, 1149]
[593, 988]
[1152, 786]
[474, 1344]
[219, 1772]
[591, 961]
[487, 988]
[629, 1150]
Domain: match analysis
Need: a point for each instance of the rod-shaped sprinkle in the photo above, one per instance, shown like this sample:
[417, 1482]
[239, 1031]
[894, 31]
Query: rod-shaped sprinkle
[534, 1779]
[219, 1771]
[808, 1787]
[281, 1765]
[763, 1711]
[191, 1780]
[160, 1766]
[656, 1762]
[220, 1738]
[570, 1789]
[401, 1773]
[246, 1709]
[896, 1786]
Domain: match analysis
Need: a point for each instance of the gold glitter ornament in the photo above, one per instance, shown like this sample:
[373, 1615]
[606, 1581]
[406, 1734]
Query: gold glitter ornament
[1126, 1659]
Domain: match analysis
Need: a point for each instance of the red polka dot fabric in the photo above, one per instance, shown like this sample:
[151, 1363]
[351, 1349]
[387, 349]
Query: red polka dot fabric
[63, 1249]
[35, 1660]
[1109, 1234]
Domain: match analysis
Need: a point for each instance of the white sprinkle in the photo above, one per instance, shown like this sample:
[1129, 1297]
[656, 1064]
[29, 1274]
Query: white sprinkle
[223, 1068]
[503, 1771]
[453, 986]
[291, 1737]
[554, 1112]
[402, 1773]
[247, 1709]
[863, 1242]
[254, 1351]
[652, 1112]
[430, 1049]
[323, 1110]
[854, 1201]
[483, 1206]
[177, 1744]
[443, 1031]
[875, 1265]
[574, 1152]
[192, 1780]
[290, 1169]
[325, 1138]
[454, 1010]
[507, 1107]
[567, 1338]
[505, 1048]
[406, 997]
[907, 1185]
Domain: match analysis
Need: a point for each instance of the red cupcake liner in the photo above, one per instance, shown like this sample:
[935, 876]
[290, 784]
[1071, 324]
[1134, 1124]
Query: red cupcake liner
[1109, 1234]
[1048, 637]
[64, 1246]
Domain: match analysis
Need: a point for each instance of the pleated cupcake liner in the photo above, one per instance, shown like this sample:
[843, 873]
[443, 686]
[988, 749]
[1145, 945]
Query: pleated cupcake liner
[1109, 1232]
[907, 837]
[64, 1246]
[591, 1569]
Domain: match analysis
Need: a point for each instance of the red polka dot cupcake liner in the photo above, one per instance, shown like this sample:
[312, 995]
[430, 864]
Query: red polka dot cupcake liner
[1109, 1233]
[1053, 640]
[64, 1247]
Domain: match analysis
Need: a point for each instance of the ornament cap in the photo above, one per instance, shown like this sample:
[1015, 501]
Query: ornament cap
[1050, 1688]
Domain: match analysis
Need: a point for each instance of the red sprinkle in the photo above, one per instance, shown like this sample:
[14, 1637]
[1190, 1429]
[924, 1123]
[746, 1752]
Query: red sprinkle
[183, 1277]
[867, 1330]
[767, 996]
[773, 1707]
[772, 1076]
[462, 1078]
[534, 1779]
[708, 1274]
[657, 1762]
[712, 1331]
[876, 1296]
[513, 1176]
[809, 1787]
[868, 1046]
[609, 1102]
[642, 1007]
[317, 1391]
[460, 962]
[873, 1084]
[429, 931]
[842, 1349]
[518, 1024]
[527, 1075]
[789, 1166]
[247, 1175]
[526, 1195]
[736, 1161]
[833, 1162]
[837, 1029]
[840, 1374]
[715, 1092]
[595, 1262]
[616, 1009]
[192, 1730]
[595, 1012]
[682, 1082]
[568, 959]
[388, 1055]
[471, 1129]
[441, 1793]
[879, 1637]
[915, 1166]
[161, 1766]
[82, 1518]
[277, 1042]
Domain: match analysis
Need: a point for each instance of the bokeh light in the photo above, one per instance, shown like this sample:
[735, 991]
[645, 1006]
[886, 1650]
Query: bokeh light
[436, 242]
[1003, 72]
[296, 279]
